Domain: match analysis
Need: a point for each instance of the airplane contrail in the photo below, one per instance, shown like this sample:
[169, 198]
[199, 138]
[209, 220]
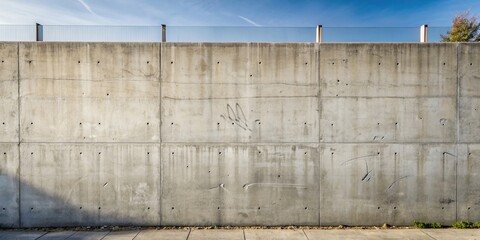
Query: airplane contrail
[86, 6]
[249, 21]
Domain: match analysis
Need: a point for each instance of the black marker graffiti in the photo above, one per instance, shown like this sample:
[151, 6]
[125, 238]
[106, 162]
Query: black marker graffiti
[237, 117]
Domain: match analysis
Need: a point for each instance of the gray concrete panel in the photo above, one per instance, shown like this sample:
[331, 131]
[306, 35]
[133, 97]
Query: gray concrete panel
[387, 183]
[388, 120]
[9, 92]
[468, 182]
[275, 234]
[469, 111]
[95, 92]
[239, 185]
[94, 184]
[9, 187]
[234, 92]
[388, 70]
[469, 69]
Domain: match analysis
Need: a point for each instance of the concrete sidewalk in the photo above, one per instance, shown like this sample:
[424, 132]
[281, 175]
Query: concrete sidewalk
[247, 234]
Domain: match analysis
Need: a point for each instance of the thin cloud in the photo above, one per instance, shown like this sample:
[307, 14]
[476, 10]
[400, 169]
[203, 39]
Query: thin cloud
[86, 6]
[249, 21]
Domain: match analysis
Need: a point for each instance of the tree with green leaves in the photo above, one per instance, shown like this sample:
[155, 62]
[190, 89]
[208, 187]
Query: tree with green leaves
[464, 29]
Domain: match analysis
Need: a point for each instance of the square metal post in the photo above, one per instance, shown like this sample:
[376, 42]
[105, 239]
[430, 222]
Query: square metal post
[164, 33]
[319, 34]
[39, 32]
[424, 33]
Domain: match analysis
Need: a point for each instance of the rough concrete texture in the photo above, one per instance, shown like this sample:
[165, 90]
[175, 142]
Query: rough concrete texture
[9, 92]
[239, 185]
[65, 184]
[238, 133]
[96, 92]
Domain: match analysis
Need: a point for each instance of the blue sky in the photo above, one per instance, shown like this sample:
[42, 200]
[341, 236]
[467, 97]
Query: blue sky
[333, 13]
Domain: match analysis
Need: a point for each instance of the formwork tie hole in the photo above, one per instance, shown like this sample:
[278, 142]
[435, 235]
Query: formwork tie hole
[148, 62]
[306, 208]
[148, 123]
[78, 61]
[394, 208]
[378, 207]
[148, 153]
[98, 62]
[3, 123]
[171, 62]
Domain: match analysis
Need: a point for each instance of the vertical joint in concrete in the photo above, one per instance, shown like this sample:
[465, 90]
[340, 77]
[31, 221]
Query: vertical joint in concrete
[319, 34]
[164, 33]
[39, 32]
[424, 33]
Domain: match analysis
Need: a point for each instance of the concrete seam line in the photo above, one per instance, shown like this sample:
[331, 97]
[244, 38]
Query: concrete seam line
[303, 230]
[244, 238]
[457, 133]
[41, 235]
[427, 234]
[105, 235]
[188, 235]
[136, 234]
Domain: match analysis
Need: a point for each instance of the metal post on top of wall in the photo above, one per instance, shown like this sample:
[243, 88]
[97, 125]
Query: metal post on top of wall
[164, 33]
[39, 32]
[319, 33]
[424, 33]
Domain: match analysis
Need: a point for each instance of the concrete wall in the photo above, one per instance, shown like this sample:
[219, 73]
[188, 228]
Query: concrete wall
[238, 134]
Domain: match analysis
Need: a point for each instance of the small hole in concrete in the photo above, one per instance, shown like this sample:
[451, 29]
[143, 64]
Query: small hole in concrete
[394, 207]
[333, 63]
[378, 207]
[98, 62]
[148, 153]
[81, 153]
[171, 123]
[173, 153]
[173, 208]
[98, 123]
[251, 75]
[259, 62]
[233, 123]
[398, 64]
[259, 123]
[148, 123]
[4, 153]
[209, 171]
[338, 80]
[31, 123]
[443, 208]
[3, 123]
[218, 62]
[78, 61]
[3, 209]
[444, 64]
[31, 208]
[259, 152]
[331, 124]
[305, 153]
[396, 123]
[219, 153]
[471, 64]
[395, 153]
[3, 61]
[332, 153]
[378, 153]
[80, 207]
[99, 208]
[258, 208]
[379, 64]
[378, 123]
[469, 154]
[218, 123]
[148, 62]
[108, 94]
[218, 208]
[31, 153]
[468, 208]
[306, 208]
[80, 123]
[306, 63]
[187, 166]
[148, 208]
[171, 62]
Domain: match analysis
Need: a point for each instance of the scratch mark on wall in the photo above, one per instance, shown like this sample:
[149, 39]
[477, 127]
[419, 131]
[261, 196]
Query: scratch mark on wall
[237, 117]
[398, 179]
